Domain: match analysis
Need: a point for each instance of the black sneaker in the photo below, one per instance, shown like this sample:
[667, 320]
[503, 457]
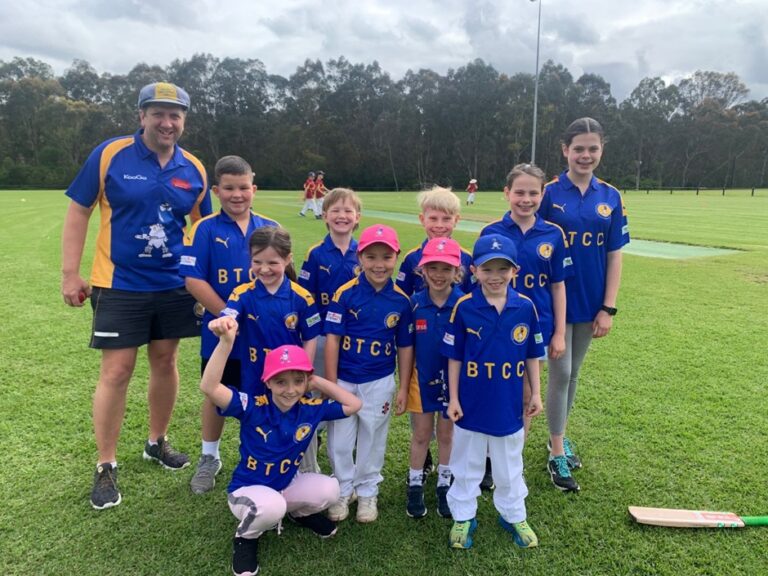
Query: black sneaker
[442, 502]
[104, 493]
[164, 454]
[415, 507]
[245, 556]
[318, 523]
[574, 462]
[560, 473]
[487, 482]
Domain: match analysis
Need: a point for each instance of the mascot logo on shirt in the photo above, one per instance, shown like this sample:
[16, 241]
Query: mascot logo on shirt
[392, 319]
[603, 210]
[302, 432]
[520, 333]
[291, 320]
[356, 271]
[544, 250]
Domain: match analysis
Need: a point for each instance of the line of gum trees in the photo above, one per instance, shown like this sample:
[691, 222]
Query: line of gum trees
[371, 132]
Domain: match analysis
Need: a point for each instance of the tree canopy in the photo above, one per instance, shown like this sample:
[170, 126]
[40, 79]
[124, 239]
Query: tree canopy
[368, 131]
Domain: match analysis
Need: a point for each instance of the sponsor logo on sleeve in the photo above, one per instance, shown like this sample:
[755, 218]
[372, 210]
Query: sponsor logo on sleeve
[229, 312]
[334, 317]
[401, 276]
[187, 260]
[448, 339]
[244, 400]
[314, 319]
[538, 338]
[304, 274]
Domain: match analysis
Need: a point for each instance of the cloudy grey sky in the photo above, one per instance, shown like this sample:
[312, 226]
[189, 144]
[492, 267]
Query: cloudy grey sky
[622, 40]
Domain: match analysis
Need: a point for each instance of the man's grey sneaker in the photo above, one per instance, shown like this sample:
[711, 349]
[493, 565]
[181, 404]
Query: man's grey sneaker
[245, 556]
[204, 478]
[442, 502]
[415, 507]
[165, 455]
[105, 493]
[560, 473]
[318, 523]
[574, 462]
[487, 482]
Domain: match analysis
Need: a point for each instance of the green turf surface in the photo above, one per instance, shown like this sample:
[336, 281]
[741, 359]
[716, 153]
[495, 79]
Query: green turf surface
[672, 411]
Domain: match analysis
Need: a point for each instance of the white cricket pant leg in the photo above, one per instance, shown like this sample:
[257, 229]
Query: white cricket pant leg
[366, 432]
[319, 206]
[507, 463]
[309, 204]
[468, 467]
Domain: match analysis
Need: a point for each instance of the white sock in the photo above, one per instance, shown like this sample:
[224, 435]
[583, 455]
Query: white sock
[443, 475]
[212, 449]
[415, 477]
[151, 442]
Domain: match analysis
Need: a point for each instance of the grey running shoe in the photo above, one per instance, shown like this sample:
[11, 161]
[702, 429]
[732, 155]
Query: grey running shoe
[165, 455]
[105, 493]
[205, 476]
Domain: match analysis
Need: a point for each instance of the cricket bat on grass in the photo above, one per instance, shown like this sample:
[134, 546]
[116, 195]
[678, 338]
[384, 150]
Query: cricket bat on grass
[693, 518]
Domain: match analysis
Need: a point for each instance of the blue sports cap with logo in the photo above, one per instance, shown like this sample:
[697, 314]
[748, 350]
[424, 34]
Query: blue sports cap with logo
[494, 246]
[163, 93]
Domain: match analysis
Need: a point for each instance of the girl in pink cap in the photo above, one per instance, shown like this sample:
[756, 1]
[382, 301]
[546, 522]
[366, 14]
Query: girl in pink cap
[276, 428]
[427, 394]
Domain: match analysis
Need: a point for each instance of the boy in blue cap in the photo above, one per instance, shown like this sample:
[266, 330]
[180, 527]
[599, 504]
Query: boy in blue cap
[493, 338]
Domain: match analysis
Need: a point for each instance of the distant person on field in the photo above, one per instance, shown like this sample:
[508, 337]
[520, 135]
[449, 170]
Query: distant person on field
[320, 192]
[309, 195]
[328, 265]
[591, 213]
[145, 186]
[216, 260]
[471, 189]
[492, 339]
[426, 397]
[275, 428]
[545, 262]
[369, 333]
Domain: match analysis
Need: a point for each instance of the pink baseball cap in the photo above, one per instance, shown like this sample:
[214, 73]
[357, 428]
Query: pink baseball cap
[285, 358]
[445, 250]
[378, 234]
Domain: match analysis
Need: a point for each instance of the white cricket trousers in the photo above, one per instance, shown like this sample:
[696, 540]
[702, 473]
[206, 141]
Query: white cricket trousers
[309, 204]
[260, 508]
[468, 467]
[364, 433]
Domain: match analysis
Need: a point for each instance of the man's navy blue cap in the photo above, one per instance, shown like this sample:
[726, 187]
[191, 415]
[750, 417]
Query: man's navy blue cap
[163, 93]
[494, 246]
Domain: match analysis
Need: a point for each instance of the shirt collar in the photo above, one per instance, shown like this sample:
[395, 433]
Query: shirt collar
[330, 246]
[363, 282]
[177, 159]
[570, 185]
[513, 298]
[282, 290]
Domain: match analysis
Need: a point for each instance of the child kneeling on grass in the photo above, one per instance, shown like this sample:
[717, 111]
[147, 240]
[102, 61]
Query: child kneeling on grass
[492, 339]
[275, 429]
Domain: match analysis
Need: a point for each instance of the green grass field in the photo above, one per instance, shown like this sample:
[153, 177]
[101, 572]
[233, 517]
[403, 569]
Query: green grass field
[672, 411]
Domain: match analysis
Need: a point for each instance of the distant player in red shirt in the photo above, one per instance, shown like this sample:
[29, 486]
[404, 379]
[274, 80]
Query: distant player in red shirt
[309, 195]
[472, 188]
[320, 192]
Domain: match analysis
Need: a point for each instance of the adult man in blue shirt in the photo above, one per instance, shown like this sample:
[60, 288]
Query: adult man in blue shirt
[144, 185]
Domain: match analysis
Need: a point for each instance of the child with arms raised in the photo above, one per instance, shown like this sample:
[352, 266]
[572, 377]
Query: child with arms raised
[275, 428]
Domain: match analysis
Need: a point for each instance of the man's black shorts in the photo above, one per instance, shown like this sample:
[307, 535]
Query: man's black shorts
[123, 319]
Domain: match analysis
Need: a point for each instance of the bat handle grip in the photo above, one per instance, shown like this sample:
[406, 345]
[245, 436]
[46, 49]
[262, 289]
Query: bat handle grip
[755, 520]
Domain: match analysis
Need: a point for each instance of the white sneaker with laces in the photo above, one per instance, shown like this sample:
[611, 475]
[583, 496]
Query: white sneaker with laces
[339, 511]
[367, 511]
